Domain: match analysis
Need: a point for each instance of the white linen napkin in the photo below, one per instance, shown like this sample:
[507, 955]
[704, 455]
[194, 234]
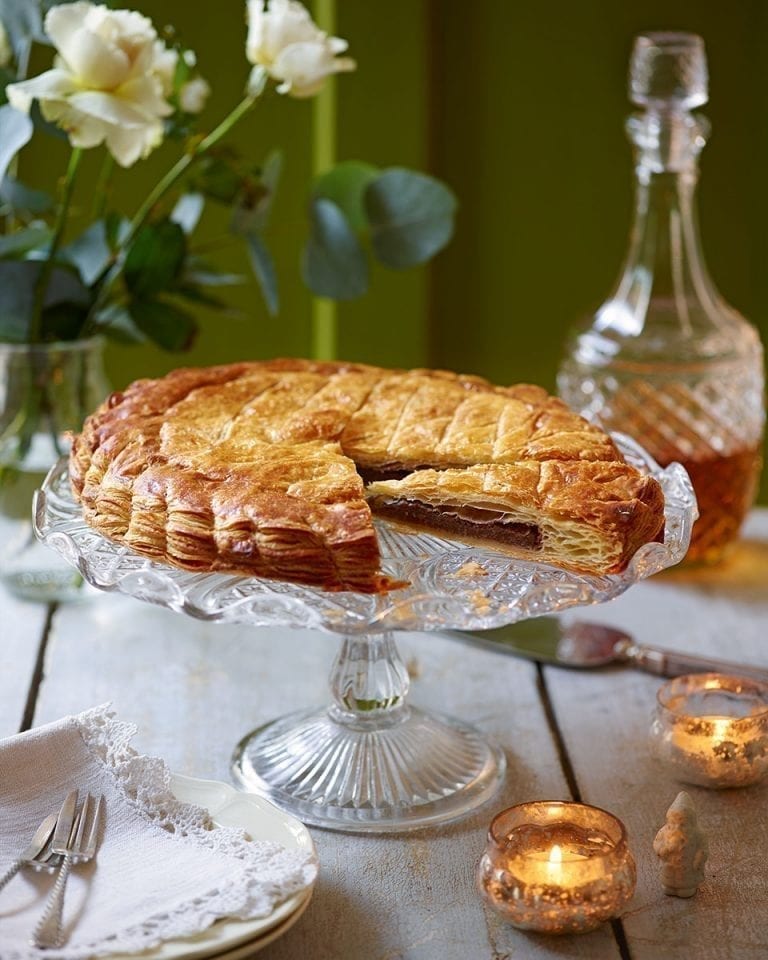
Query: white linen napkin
[162, 870]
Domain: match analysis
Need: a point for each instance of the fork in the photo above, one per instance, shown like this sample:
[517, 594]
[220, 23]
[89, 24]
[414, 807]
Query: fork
[75, 843]
[37, 853]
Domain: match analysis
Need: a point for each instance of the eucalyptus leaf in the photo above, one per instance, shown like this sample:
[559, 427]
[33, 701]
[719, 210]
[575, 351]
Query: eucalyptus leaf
[271, 172]
[164, 323]
[46, 126]
[15, 130]
[345, 185]
[411, 217]
[334, 264]
[116, 323]
[90, 252]
[188, 210]
[155, 259]
[17, 244]
[17, 284]
[23, 22]
[264, 270]
[203, 274]
[21, 197]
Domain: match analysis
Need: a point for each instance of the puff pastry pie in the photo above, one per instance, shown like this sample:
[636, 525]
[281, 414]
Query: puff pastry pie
[273, 469]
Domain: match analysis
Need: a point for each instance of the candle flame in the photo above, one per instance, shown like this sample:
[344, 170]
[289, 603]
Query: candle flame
[556, 854]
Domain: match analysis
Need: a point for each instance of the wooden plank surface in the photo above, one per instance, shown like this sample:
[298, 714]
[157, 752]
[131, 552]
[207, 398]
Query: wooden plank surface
[194, 688]
[605, 718]
[21, 631]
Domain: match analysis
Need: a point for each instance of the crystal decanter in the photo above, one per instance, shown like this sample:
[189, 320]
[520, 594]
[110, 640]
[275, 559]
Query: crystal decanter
[665, 359]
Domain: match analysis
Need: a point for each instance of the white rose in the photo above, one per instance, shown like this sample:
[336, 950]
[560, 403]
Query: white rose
[164, 66]
[106, 85]
[284, 40]
[6, 53]
[193, 95]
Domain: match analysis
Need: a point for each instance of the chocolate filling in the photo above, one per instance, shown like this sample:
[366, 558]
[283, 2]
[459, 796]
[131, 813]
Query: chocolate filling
[373, 474]
[463, 521]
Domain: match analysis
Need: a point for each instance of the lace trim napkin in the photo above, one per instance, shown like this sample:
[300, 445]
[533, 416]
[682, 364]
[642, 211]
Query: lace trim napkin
[162, 871]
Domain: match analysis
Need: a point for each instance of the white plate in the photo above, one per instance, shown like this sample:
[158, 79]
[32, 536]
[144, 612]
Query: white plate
[233, 939]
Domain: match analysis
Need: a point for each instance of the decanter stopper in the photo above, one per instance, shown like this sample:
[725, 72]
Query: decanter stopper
[668, 69]
[682, 849]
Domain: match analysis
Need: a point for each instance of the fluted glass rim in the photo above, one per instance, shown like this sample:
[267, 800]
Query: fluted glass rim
[521, 814]
[692, 683]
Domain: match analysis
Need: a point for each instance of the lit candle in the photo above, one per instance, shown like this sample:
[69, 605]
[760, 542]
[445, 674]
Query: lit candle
[712, 729]
[556, 867]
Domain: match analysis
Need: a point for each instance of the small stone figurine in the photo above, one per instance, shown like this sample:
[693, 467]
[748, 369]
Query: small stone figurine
[682, 849]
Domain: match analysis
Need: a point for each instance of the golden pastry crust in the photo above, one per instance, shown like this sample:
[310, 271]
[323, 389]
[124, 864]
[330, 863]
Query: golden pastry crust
[253, 467]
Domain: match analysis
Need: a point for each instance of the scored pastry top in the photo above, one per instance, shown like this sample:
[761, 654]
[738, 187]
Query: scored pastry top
[261, 467]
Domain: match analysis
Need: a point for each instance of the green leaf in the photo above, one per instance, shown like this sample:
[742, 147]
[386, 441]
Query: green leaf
[334, 263]
[65, 320]
[115, 322]
[218, 178]
[34, 237]
[411, 217]
[155, 259]
[17, 283]
[188, 211]
[264, 270]
[21, 197]
[164, 323]
[345, 185]
[89, 253]
[15, 130]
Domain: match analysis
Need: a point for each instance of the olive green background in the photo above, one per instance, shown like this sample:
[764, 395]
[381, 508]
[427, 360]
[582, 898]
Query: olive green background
[520, 108]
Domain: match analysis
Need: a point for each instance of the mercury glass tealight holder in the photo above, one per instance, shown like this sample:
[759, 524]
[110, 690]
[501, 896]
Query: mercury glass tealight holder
[556, 867]
[711, 729]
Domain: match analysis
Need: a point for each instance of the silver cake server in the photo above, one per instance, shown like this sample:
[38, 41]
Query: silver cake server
[582, 644]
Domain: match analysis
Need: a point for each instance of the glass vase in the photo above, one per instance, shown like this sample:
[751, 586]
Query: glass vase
[46, 390]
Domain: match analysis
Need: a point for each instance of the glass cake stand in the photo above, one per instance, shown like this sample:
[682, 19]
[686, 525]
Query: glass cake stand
[370, 762]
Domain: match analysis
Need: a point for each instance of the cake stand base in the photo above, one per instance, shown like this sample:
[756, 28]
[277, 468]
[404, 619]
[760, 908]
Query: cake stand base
[369, 762]
[416, 770]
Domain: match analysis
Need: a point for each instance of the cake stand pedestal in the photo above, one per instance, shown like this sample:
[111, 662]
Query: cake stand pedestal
[370, 762]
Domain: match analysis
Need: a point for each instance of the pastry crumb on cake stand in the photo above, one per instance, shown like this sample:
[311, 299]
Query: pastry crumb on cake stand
[370, 762]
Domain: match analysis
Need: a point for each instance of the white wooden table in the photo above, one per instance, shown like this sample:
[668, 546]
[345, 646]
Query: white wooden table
[195, 688]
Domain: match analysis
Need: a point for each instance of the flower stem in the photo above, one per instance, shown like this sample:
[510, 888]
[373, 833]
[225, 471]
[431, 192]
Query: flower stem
[102, 186]
[43, 278]
[111, 271]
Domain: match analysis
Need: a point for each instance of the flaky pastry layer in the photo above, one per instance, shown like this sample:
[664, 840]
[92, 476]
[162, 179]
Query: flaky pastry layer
[256, 467]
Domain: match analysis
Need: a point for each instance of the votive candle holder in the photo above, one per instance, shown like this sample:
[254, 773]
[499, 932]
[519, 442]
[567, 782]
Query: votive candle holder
[556, 866]
[711, 729]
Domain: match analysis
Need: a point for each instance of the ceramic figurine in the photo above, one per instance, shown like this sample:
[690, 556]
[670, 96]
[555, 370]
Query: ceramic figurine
[682, 849]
